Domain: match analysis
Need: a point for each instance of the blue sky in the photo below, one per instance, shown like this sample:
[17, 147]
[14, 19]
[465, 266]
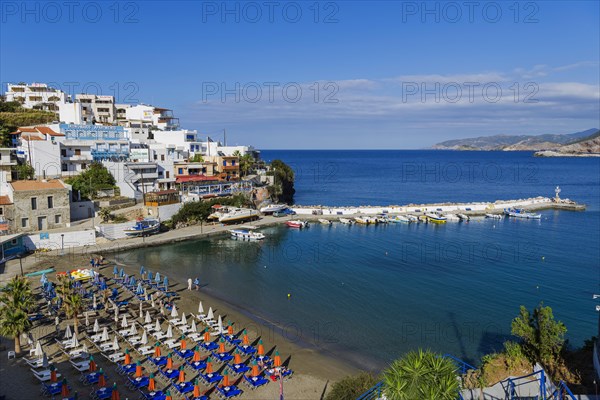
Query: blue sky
[387, 74]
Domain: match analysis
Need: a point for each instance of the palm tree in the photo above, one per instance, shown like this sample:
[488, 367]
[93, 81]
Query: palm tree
[13, 322]
[73, 304]
[18, 294]
[421, 375]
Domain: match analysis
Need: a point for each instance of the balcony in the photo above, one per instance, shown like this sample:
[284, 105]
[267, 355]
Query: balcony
[231, 168]
[79, 157]
[109, 155]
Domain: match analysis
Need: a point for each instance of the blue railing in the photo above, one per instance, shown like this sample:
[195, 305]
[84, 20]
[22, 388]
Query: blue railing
[107, 154]
[373, 393]
[462, 366]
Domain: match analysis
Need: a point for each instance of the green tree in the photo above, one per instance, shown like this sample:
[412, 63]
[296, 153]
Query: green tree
[197, 158]
[95, 177]
[200, 210]
[15, 301]
[73, 305]
[283, 187]
[422, 375]
[351, 387]
[543, 337]
[24, 171]
[104, 213]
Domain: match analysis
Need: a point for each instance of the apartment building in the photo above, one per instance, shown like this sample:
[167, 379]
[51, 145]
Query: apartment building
[37, 96]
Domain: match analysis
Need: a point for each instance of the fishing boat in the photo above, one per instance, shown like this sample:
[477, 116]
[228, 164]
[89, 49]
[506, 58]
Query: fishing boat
[493, 216]
[148, 226]
[324, 221]
[436, 218]
[272, 208]
[412, 218]
[297, 224]
[365, 220]
[463, 217]
[451, 217]
[520, 213]
[400, 218]
[246, 234]
[423, 218]
[227, 215]
[382, 219]
[346, 221]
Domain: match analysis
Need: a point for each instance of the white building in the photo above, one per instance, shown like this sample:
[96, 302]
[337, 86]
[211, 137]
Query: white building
[181, 140]
[102, 108]
[36, 96]
[143, 115]
[134, 178]
[40, 146]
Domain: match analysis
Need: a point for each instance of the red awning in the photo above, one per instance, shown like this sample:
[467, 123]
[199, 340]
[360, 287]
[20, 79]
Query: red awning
[195, 178]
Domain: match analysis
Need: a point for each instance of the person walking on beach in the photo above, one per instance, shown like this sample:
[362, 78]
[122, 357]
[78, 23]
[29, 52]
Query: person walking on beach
[197, 283]
[189, 283]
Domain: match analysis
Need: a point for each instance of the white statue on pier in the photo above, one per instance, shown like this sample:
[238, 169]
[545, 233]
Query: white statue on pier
[557, 191]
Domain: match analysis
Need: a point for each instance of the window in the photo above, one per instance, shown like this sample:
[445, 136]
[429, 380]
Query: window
[63, 152]
[83, 166]
[58, 219]
[155, 157]
[180, 171]
[168, 174]
[232, 162]
[24, 222]
[14, 242]
[50, 202]
[162, 157]
[34, 203]
[1, 210]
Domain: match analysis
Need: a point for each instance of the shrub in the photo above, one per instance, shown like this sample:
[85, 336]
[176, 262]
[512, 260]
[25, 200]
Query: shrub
[350, 387]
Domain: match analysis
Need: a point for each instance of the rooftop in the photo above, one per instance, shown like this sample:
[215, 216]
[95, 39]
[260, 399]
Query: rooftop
[5, 200]
[22, 186]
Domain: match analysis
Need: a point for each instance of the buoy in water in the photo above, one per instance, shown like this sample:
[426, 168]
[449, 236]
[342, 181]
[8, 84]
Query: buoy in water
[543, 258]
[289, 295]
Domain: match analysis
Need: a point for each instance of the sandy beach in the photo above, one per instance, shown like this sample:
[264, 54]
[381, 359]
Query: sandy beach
[314, 372]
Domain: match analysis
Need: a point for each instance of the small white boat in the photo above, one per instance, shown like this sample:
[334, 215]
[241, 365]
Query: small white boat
[246, 234]
[147, 226]
[493, 216]
[297, 224]
[412, 218]
[382, 219]
[520, 213]
[271, 208]
[226, 215]
[346, 221]
[452, 217]
[400, 218]
[365, 220]
[463, 217]
[436, 218]
[324, 221]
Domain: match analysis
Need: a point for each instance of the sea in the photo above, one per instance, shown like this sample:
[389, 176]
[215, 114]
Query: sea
[368, 294]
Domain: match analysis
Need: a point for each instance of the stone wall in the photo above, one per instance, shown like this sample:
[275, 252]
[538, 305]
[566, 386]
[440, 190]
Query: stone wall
[59, 216]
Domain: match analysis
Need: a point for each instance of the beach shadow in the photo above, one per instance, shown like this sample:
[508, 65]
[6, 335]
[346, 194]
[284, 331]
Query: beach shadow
[324, 390]
[268, 353]
[286, 362]
[492, 341]
[459, 339]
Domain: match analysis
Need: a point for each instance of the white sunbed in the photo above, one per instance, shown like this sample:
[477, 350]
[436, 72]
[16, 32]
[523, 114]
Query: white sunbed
[150, 327]
[76, 352]
[159, 335]
[146, 350]
[116, 357]
[34, 362]
[43, 375]
[81, 366]
[171, 343]
[196, 337]
[176, 321]
[125, 332]
[107, 347]
[134, 341]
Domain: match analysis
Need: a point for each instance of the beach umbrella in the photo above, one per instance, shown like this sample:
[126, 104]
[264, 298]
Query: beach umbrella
[122, 273]
[146, 294]
[200, 309]
[157, 326]
[138, 369]
[245, 340]
[92, 364]
[261, 348]
[196, 392]
[152, 300]
[210, 315]
[183, 343]
[157, 349]
[43, 278]
[96, 326]
[84, 349]
[168, 395]
[157, 277]
[147, 320]
[166, 282]
[277, 359]
[141, 311]
[183, 319]
[101, 379]
[44, 360]
[127, 357]
[174, 313]
[162, 310]
[104, 337]
[144, 338]
[64, 390]
[209, 368]
[140, 289]
[221, 346]
[133, 330]
[115, 393]
[38, 349]
[225, 378]
[124, 321]
[194, 328]
[68, 333]
[254, 368]
[169, 332]
[52, 373]
[181, 375]
[75, 342]
[87, 319]
[115, 343]
[116, 313]
[230, 329]
[142, 270]
[237, 359]
[196, 355]
[94, 302]
[169, 361]
[206, 335]
[151, 383]
[220, 325]
[149, 275]
[132, 281]
[115, 271]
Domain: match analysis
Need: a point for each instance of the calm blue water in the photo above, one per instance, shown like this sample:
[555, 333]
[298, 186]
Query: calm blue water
[369, 294]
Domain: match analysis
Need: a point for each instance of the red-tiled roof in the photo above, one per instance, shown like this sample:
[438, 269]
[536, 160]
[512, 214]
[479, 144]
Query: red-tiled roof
[26, 129]
[29, 137]
[5, 200]
[37, 185]
[195, 178]
[47, 131]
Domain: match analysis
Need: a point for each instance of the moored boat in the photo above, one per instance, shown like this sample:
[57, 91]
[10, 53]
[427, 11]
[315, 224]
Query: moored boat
[296, 224]
[520, 213]
[246, 234]
[365, 220]
[463, 217]
[147, 226]
[324, 221]
[436, 218]
[412, 218]
[346, 221]
[493, 216]
[400, 218]
[227, 215]
[451, 217]
[272, 208]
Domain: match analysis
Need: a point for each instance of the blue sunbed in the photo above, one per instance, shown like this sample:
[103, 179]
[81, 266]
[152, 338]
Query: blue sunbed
[239, 368]
[211, 378]
[222, 357]
[247, 349]
[210, 346]
[185, 354]
[153, 395]
[197, 365]
[102, 393]
[159, 361]
[170, 373]
[255, 381]
[136, 383]
[184, 387]
[228, 392]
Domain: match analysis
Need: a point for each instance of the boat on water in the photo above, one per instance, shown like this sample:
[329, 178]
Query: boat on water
[228, 215]
[436, 218]
[412, 218]
[520, 213]
[463, 217]
[246, 234]
[422, 218]
[382, 219]
[297, 224]
[346, 221]
[148, 226]
[324, 221]
[365, 220]
[451, 217]
[493, 216]
[400, 218]
[272, 208]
